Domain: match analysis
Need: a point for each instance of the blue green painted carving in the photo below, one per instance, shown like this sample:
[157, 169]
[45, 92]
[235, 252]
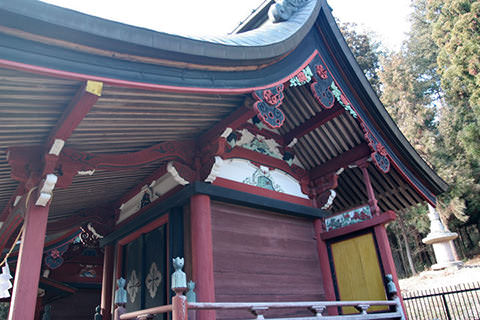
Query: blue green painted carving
[348, 218]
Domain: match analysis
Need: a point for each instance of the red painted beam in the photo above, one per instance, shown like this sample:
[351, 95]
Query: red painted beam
[76, 110]
[313, 123]
[353, 155]
[71, 161]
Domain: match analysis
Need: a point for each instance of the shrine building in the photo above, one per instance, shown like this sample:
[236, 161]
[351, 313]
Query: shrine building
[264, 158]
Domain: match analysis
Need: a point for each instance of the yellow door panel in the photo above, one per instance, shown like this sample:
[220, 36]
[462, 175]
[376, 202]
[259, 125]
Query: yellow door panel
[357, 271]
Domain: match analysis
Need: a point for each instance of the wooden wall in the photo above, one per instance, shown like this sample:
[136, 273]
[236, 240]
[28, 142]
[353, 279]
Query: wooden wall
[263, 256]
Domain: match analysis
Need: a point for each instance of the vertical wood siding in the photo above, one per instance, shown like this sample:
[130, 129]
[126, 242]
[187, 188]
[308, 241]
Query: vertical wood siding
[263, 256]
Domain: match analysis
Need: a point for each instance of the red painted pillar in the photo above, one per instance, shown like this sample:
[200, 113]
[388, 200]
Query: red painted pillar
[386, 256]
[202, 252]
[107, 282]
[322, 249]
[372, 202]
[27, 274]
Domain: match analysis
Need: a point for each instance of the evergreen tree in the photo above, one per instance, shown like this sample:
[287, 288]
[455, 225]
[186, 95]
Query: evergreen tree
[456, 31]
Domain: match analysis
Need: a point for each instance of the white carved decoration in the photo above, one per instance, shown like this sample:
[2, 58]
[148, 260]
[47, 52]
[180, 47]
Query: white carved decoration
[215, 169]
[246, 137]
[294, 142]
[262, 178]
[46, 190]
[86, 172]
[240, 169]
[176, 176]
[251, 141]
[133, 286]
[94, 232]
[226, 132]
[329, 202]
[57, 147]
[155, 189]
[153, 280]
[17, 200]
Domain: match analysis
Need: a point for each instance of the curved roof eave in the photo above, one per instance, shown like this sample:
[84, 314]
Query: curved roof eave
[269, 41]
[380, 114]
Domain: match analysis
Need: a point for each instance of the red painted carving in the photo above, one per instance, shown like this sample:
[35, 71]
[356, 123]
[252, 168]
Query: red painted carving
[379, 153]
[321, 72]
[271, 98]
[301, 77]
[320, 188]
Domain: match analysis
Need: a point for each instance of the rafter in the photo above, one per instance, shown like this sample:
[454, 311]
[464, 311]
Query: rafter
[74, 113]
[234, 120]
[355, 154]
[319, 119]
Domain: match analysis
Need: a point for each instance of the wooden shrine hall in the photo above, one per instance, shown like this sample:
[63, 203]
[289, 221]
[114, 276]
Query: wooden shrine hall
[263, 158]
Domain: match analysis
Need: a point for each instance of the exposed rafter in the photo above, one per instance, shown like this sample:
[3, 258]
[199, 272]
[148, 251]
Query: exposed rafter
[233, 121]
[313, 123]
[355, 154]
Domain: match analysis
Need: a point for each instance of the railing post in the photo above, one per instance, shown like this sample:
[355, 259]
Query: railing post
[393, 295]
[97, 315]
[318, 310]
[258, 312]
[179, 285]
[120, 299]
[191, 297]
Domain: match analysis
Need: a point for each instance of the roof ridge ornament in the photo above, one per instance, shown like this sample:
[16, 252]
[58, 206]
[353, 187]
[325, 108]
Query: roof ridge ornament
[282, 10]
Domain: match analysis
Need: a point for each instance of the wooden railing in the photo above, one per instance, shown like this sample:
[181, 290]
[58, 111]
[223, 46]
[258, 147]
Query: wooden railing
[260, 309]
[180, 306]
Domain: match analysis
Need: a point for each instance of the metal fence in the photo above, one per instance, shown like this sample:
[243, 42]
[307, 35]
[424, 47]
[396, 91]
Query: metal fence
[459, 302]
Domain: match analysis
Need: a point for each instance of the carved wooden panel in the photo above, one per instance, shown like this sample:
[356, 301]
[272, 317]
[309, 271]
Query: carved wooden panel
[263, 256]
[145, 270]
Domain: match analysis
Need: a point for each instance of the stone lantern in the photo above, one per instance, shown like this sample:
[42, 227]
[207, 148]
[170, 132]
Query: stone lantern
[442, 242]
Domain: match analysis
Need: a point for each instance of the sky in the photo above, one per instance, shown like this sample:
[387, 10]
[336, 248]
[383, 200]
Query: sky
[387, 19]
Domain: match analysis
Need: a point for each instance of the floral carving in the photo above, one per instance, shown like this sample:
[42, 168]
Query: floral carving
[347, 218]
[321, 87]
[53, 258]
[321, 72]
[342, 99]
[379, 155]
[302, 77]
[133, 286]
[153, 280]
[263, 179]
[267, 104]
